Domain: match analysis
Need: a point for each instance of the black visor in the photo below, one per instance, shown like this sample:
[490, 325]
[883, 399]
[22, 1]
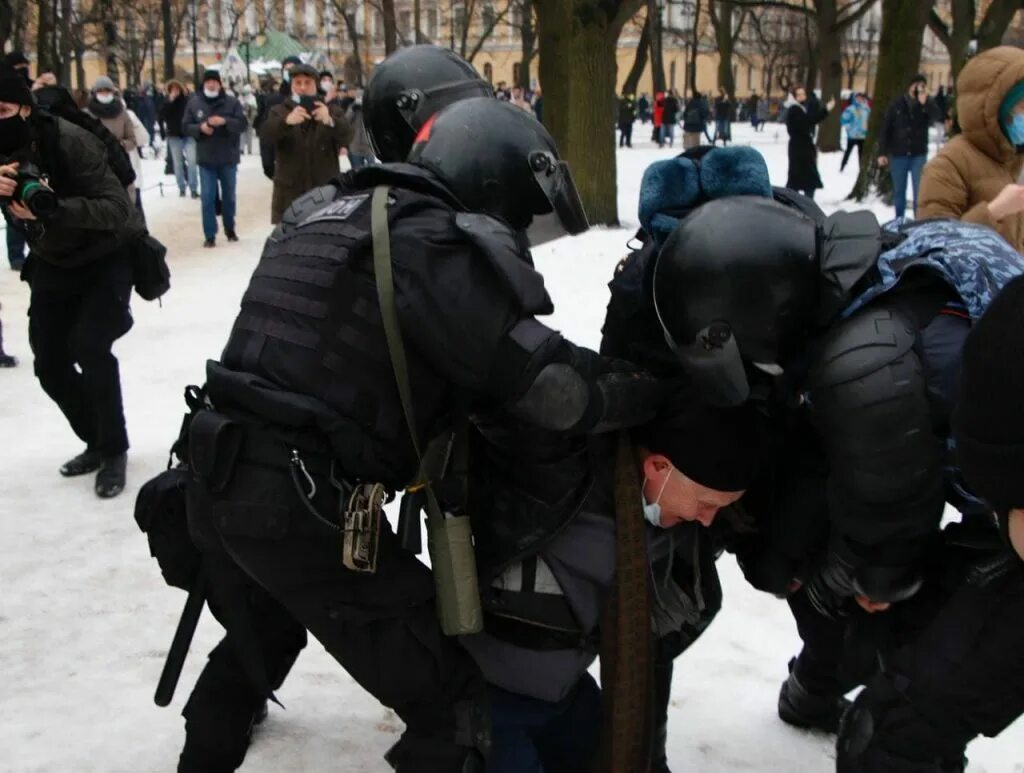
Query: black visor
[555, 180]
[714, 365]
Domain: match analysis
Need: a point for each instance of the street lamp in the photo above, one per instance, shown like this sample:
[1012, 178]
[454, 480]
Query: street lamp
[872, 31]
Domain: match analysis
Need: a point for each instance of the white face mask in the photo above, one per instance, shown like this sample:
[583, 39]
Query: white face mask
[211, 94]
[652, 511]
[104, 99]
[326, 85]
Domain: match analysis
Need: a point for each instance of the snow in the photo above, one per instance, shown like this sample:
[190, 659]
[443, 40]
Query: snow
[85, 618]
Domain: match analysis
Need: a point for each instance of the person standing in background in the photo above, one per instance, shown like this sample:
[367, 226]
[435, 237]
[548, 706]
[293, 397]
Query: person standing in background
[753, 103]
[802, 120]
[249, 108]
[216, 121]
[723, 118]
[695, 120]
[941, 102]
[903, 142]
[627, 115]
[182, 149]
[669, 117]
[855, 121]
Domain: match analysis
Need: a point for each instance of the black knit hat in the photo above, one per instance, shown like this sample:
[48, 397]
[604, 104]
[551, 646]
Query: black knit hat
[15, 58]
[326, 74]
[719, 448]
[211, 75]
[988, 422]
[13, 88]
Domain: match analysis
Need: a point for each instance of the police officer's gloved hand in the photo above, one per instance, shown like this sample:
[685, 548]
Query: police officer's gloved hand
[830, 587]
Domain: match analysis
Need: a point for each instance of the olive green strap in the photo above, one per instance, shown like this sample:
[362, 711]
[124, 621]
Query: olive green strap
[384, 277]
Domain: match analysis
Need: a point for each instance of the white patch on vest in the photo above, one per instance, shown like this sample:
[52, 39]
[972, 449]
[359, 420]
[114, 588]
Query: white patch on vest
[341, 209]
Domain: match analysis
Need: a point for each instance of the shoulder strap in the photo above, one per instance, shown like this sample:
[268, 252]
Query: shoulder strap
[434, 460]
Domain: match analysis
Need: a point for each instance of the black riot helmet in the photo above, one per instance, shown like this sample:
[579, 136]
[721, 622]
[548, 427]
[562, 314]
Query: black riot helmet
[500, 160]
[736, 286]
[407, 88]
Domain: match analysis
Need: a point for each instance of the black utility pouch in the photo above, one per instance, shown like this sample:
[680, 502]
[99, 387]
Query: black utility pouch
[160, 513]
[213, 446]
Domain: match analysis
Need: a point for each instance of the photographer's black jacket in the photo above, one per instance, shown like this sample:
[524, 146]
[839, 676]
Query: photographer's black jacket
[95, 219]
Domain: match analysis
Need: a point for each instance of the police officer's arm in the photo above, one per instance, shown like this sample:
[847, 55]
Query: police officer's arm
[103, 204]
[474, 322]
[885, 493]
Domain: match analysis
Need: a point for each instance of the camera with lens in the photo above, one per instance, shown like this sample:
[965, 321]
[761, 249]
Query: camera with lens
[32, 191]
[308, 103]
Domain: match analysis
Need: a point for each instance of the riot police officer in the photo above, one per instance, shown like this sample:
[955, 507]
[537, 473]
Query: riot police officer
[314, 407]
[848, 337]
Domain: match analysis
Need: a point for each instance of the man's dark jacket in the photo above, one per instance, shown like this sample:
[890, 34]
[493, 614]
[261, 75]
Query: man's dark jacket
[221, 148]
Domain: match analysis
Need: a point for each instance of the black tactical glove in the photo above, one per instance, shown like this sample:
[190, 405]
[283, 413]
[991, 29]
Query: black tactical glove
[830, 587]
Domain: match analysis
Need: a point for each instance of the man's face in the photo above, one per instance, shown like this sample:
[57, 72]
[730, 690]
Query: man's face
[681, 498]
[517, 93]
[303, 86]
[1017, 531]
[917, 87]
[9, 110]
[801, 95]
[173, 92]
[211, 85]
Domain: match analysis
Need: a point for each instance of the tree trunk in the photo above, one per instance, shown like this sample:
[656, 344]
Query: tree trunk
[578, 71]
[46, 31]
[18, 24]
[80, 67]
[416, 16]
[899, 57]
[528, 39]
[640, 60]
[995, 23]
[721, 17]
[170, 44]
[691, 75]
[66, 41]
[355, 62]
[109, 45]
[657, 47]
[830, 49]
[390, 27]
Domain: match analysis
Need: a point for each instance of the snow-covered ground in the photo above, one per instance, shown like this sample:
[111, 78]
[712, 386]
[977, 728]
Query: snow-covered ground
[85, 619]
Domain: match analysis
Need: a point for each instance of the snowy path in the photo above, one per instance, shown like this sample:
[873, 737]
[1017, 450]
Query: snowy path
[85, 618]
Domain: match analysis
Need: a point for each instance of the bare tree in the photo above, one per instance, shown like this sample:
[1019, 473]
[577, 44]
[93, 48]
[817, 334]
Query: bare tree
[387, 8]
[525, 13]
[727, 21]
[965, 26]
[578, 40]
[830, 19]
[353, 64]
[855, 53]
[899, 56]
[643, 47]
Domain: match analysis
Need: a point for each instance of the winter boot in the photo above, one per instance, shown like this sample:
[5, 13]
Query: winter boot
[7, 361]
[110, 479]
[210, 243]
[230, 233]
[799, 707]
[86, 462]
[220, 747]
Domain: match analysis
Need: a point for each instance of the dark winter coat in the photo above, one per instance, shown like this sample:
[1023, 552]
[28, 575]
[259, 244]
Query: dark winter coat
[266, 148]
[671, 111]
[696, 115]
[803, 156]
[627, 111]
[306, 155]
[905, 131]
[723, 109]
[221, 148]
[172, 115]
[95, 218]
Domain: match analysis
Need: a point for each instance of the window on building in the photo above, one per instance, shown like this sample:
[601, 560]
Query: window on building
[517, 70]
[378, 27]
[431, 23]
[750, 77]
[672, 74]
[460, 19]
[489, 73]
[405, 24]
[489, 16]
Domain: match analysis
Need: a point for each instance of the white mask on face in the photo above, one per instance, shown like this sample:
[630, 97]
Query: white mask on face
[325, 85]
[211, 93]
[104, 99]
[652, 511]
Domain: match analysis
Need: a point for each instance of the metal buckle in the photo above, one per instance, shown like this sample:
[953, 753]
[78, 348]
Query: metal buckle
[361, 527]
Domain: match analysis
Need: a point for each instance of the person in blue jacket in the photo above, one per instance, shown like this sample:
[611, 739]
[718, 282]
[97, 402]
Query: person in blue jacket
[855, 121]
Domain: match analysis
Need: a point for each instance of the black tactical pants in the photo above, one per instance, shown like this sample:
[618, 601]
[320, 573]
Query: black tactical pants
[382, 627]
[262, 637]
[963, 676]
[71, 331]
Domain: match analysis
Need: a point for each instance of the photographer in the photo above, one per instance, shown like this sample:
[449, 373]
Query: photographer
[903, 143]
[307, 135]
[78, 221]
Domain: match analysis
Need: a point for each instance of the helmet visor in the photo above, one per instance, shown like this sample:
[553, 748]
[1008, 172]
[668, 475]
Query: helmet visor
[555, 181]
[714, 366]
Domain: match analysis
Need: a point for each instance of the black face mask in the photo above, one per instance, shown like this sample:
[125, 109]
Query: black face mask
[15, 134]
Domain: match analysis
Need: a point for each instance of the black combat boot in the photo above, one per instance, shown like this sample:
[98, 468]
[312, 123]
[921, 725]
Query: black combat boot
[86, 462]
[111, 477]
[230, 233]
[800, 707]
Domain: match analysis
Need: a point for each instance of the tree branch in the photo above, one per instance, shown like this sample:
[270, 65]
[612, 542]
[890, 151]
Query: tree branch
[844, 22]
[940, 30]
[776, 4]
